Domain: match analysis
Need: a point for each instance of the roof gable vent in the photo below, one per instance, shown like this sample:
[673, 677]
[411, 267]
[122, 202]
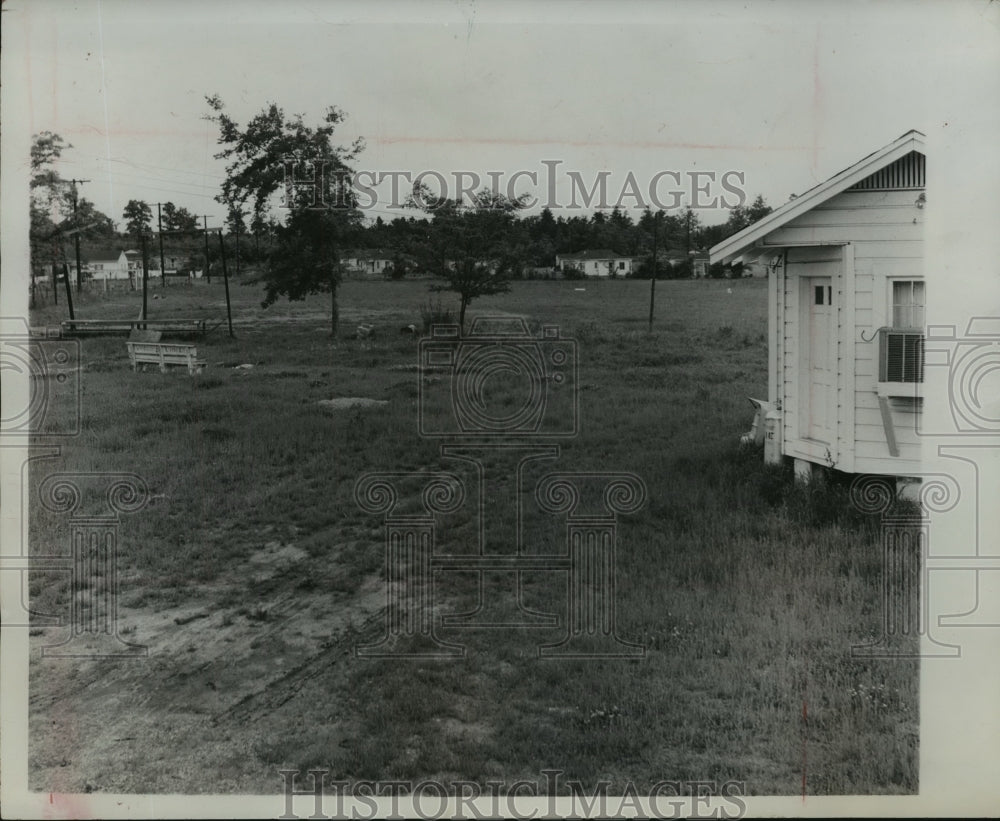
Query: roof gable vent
[906, 172]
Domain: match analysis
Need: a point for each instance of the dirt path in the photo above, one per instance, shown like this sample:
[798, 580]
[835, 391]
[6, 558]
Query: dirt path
[193, 715]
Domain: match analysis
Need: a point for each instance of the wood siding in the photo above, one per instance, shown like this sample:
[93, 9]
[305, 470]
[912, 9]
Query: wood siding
[872, 236]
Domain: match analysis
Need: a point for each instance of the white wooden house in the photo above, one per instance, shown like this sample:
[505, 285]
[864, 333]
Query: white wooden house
[368, 263]
[600, 263]
[101, 262]
[846, 320]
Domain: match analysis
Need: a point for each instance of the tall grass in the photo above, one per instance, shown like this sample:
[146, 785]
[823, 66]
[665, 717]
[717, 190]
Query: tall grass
[745, 590]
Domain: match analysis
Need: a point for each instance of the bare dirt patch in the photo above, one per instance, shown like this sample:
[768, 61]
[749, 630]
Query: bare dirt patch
[196, 713]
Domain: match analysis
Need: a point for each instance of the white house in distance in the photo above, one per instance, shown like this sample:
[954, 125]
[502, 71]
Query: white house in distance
[101, 263]
[846, 302]
[371, 263]
[601, 263]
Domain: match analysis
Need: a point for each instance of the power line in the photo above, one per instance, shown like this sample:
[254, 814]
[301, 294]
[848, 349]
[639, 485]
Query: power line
[141, 175]
[177, 191]
[167, 168]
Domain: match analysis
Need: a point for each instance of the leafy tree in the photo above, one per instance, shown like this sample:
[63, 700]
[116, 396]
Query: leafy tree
[305, 258]
[138, 218]
[236, 220]
[468, 247]
[46, 203]
[179, 220]
[399, 267]
[56, 209]
[758, 209]
[85, 218]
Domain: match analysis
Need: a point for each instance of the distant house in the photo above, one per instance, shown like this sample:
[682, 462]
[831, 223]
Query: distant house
[134, 264]
[699, 264]
[672, 258]
[846, 303]
[599, 263]
[175, 264]
[101, 262]
[365, 262]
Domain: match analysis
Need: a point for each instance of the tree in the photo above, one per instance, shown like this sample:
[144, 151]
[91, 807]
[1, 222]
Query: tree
[305, 258]
[47, 206]
[179, 220]
[85, 218]
[758, 209]
[400, 267]
[138, 218]
[469, 246]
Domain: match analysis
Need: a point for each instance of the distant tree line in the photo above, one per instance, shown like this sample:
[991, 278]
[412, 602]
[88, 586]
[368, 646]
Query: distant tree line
[473, 248]
[534, 241]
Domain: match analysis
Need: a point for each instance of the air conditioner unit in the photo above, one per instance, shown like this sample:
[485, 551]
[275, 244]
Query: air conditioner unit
[901, 363]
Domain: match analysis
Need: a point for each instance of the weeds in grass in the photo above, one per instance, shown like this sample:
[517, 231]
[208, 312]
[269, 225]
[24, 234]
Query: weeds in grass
[433, 312]
[745, 590]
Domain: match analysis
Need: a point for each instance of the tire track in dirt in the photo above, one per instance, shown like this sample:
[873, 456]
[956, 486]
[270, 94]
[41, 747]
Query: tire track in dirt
[283, 689]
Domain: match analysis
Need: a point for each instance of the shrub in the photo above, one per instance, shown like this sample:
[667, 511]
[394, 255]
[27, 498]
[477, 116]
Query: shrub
[435, 313]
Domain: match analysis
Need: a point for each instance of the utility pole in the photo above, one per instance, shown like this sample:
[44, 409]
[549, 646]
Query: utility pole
[55, 276]
[652, 281]
[76, 239]
[204, 218]
[69, 290]
[145, 274]
[163, 267]
[237, 249]
[225, 278]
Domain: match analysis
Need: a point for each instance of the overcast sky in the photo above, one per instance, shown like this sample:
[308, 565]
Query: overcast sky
[786, 93]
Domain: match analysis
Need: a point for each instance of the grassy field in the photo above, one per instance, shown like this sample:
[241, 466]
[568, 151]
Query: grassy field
[252, 573]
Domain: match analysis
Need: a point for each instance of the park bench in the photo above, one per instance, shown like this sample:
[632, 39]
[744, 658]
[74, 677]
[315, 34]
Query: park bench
[164, 354]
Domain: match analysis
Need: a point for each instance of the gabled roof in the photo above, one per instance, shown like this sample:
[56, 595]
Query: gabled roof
[602, 253]
[738, 243]
[369, 253]
[100, 253]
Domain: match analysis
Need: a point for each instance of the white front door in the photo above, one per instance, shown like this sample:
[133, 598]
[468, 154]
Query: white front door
[819, 405]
